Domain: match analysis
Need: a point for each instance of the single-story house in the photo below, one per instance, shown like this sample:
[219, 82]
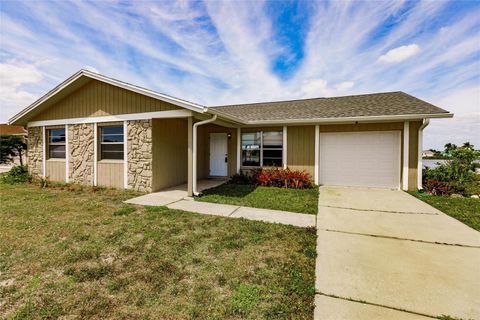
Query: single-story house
[99, 131]
[427, 153]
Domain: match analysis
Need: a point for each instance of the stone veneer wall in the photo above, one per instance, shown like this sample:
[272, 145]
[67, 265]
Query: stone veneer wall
[139, 152]
[80, 146]
[35, 151]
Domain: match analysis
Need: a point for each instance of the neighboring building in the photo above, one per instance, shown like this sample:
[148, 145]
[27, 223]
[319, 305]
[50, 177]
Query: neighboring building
[95, 130]
[427, 153]
[12, 130]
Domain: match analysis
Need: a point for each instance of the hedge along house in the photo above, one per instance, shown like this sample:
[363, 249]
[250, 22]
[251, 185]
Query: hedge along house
[99, 131]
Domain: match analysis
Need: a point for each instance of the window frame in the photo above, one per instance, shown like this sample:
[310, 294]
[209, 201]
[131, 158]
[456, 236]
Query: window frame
[262, 148]
[50, 143]
[102, 143]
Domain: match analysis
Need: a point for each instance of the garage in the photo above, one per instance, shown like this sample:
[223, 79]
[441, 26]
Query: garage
[366, 159]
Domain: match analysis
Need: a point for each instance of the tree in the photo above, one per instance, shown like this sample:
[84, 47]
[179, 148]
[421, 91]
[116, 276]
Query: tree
[10, 147]
[468, 145]
[449, 147]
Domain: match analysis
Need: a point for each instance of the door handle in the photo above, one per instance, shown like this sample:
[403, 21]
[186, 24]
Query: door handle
[226, 159]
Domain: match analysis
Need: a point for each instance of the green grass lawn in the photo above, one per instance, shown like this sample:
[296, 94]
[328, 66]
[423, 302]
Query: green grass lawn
[466, 210]
[293, 200]
[85, 254]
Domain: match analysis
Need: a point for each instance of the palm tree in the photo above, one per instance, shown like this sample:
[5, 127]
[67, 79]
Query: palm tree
[449, 147]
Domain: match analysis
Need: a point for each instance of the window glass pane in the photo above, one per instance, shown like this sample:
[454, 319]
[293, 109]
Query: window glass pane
[112, 138]
[56, 151]
[56, 135]
[272, 154]
[112, 130]
[251, 149]
[111, 151]
[251, 158]
[272, 139]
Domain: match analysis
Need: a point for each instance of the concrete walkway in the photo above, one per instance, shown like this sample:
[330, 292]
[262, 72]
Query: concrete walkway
[383, 254]
[176, 198]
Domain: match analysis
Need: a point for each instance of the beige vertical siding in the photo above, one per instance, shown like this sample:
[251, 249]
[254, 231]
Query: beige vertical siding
[362, 127]
[55, 169]
[101, 99]
[301, 148]
[110, 173]
[413, 155]
[203, 149]
[170, 159]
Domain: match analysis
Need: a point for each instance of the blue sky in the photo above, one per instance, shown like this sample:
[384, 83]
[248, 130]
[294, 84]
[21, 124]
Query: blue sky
[223, 52]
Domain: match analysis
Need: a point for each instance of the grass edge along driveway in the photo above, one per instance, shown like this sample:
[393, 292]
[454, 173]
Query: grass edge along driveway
[466, 210]
[292, 200]
[83, 253]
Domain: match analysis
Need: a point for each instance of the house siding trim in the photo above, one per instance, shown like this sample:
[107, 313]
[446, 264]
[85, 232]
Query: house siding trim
[406, 146]
[113, 118]
[317, 154]
[67, 156]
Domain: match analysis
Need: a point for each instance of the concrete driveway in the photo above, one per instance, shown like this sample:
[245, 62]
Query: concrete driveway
[383, 254]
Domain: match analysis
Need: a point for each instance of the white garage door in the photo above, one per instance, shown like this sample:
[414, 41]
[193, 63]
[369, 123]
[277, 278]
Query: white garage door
[369, 159]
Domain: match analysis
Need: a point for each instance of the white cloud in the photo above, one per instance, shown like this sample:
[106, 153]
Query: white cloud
[344, 86]
[13, 76]
[399, 54]
[90, 68]
[314, 88]
[464, 126]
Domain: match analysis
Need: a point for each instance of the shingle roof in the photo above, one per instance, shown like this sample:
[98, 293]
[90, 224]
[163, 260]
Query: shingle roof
[14, 130]
[367, 105]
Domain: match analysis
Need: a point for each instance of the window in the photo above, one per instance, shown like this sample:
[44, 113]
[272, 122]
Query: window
[251, 149]
[111, 143]
[262, 149]
[272, 149]
[56, 144]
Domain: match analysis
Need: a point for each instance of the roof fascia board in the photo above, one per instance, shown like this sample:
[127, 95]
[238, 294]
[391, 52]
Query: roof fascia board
[113, 118]
[352, 119]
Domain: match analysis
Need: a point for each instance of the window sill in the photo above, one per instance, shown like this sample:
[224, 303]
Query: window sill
[259, 167]
[110, 161]
[55, 160]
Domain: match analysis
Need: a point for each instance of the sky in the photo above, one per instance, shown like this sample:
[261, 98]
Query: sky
[223, 52]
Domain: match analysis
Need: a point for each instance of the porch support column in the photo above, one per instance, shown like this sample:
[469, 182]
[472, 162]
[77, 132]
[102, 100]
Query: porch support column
[67, 156]
[284, 149]
[194, 152]
[317, 155]
[125, 154]
[44, 153]
[239, 148]
[190, 157]
[95, 152]
[406, 145]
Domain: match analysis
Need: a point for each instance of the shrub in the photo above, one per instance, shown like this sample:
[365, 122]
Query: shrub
[18, 174]
[456, 176]
[438, 188]
[242, 178]
[284, 178]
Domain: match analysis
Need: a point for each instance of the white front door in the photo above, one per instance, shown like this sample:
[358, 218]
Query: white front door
[218, 154]
[367, 159]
